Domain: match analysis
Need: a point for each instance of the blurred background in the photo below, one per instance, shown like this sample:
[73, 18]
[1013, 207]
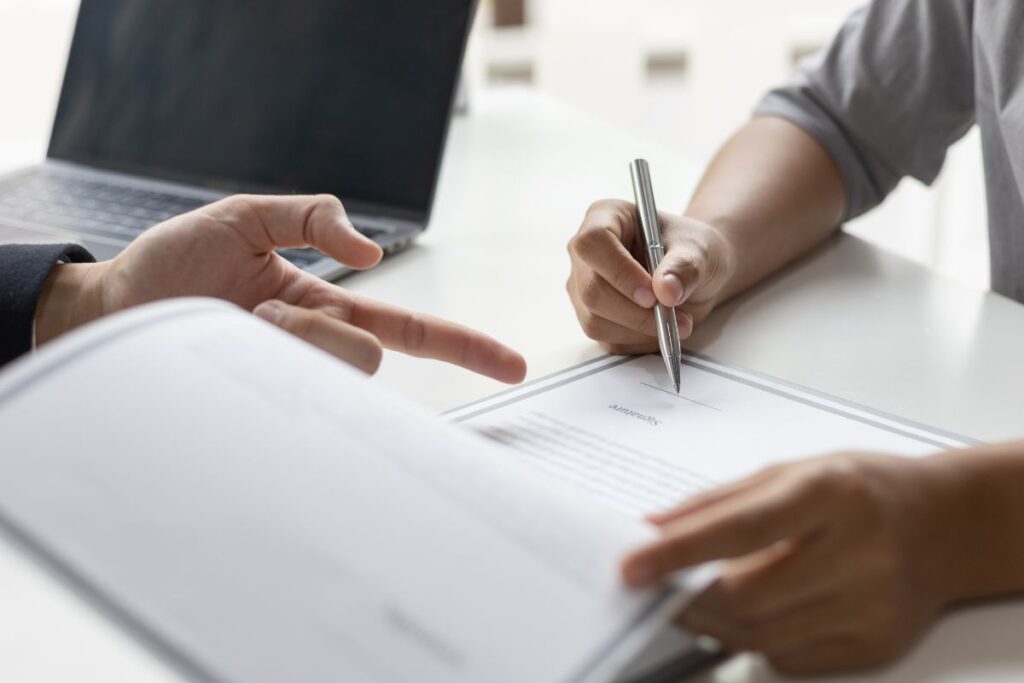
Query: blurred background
[681, 73]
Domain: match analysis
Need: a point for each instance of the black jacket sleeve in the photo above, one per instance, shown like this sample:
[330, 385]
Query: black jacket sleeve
[24, 269]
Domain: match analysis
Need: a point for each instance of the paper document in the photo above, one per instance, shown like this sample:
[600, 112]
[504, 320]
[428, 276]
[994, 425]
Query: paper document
[615, 430]
[255, 511]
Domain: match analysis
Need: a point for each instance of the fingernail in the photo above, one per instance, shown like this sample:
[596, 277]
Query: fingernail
[644, 297]
[271, 311]
[675, 288]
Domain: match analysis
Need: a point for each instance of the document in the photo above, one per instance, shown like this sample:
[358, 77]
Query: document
[614, 430]
[254, 510]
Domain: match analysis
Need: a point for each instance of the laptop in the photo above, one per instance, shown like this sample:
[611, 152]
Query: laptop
[168, 105]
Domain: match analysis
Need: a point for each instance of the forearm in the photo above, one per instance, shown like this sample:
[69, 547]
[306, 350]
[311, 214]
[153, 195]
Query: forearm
[774, 193]
[982, 523]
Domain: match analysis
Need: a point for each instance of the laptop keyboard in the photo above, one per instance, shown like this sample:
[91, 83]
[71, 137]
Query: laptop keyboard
[88, 206]
[52, 200]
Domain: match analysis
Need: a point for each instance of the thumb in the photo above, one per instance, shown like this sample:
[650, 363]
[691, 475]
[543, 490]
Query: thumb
[679, 275]
[319, 221]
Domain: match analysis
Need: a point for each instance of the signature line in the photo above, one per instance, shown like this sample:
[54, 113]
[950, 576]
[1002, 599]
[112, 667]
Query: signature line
[675, 395]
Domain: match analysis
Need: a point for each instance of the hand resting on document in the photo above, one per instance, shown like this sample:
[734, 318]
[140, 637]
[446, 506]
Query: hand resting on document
[842, 562]
[226, 250]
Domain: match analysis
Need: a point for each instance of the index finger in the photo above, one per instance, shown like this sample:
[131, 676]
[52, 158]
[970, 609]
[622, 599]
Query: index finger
[425, 336]
[317, 221]
[737, 526]
[601, 244]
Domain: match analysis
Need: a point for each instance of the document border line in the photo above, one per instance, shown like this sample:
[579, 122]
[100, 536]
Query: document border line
[521, 387]
[724, 370]
[853, 405]
[542, 390]
[812, 404]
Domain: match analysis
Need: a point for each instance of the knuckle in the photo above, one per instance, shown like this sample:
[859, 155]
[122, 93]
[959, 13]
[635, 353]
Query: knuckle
[847, 478]
[414, 332]
[329, 205]
[467, 352]
[831, 474]
[239, 199]
[238, 203]
[621, 210]
[624, 275]
[607, 206]
[299, 322]
[576, 252]
[589, 244]
[645, 322]
[686, 266]
[592, 327]
[328, 200]
[591, 292]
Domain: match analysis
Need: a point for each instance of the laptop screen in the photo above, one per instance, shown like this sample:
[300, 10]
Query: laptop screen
[350, 97]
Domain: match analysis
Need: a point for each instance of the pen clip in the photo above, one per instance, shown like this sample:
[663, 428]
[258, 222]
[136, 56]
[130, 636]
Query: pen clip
[655, 253]
[646, 207]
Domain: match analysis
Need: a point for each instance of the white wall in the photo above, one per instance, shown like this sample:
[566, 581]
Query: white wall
[594, 54]
[34, 39]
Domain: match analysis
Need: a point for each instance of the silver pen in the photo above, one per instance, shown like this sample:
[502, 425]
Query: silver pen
[668, 328]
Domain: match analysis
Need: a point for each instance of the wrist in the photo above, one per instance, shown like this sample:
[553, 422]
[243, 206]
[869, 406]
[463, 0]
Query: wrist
[941, 530]
[71, 297]
[979, 521]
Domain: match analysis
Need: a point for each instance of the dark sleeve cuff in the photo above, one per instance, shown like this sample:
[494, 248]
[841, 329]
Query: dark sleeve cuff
[24, 269]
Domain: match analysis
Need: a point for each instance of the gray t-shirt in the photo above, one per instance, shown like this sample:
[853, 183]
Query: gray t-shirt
[905, 79]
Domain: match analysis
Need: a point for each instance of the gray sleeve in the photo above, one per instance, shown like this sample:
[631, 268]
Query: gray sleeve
[889, 96]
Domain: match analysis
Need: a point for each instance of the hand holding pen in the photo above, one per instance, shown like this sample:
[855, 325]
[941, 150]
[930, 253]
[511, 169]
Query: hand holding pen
[613, 293]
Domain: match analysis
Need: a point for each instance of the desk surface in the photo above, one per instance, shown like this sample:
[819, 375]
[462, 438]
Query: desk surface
[520, 171]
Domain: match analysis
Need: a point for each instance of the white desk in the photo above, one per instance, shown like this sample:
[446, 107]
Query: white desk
[520, 172]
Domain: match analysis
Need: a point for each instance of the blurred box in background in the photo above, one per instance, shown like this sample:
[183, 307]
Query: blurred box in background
[509, 13]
